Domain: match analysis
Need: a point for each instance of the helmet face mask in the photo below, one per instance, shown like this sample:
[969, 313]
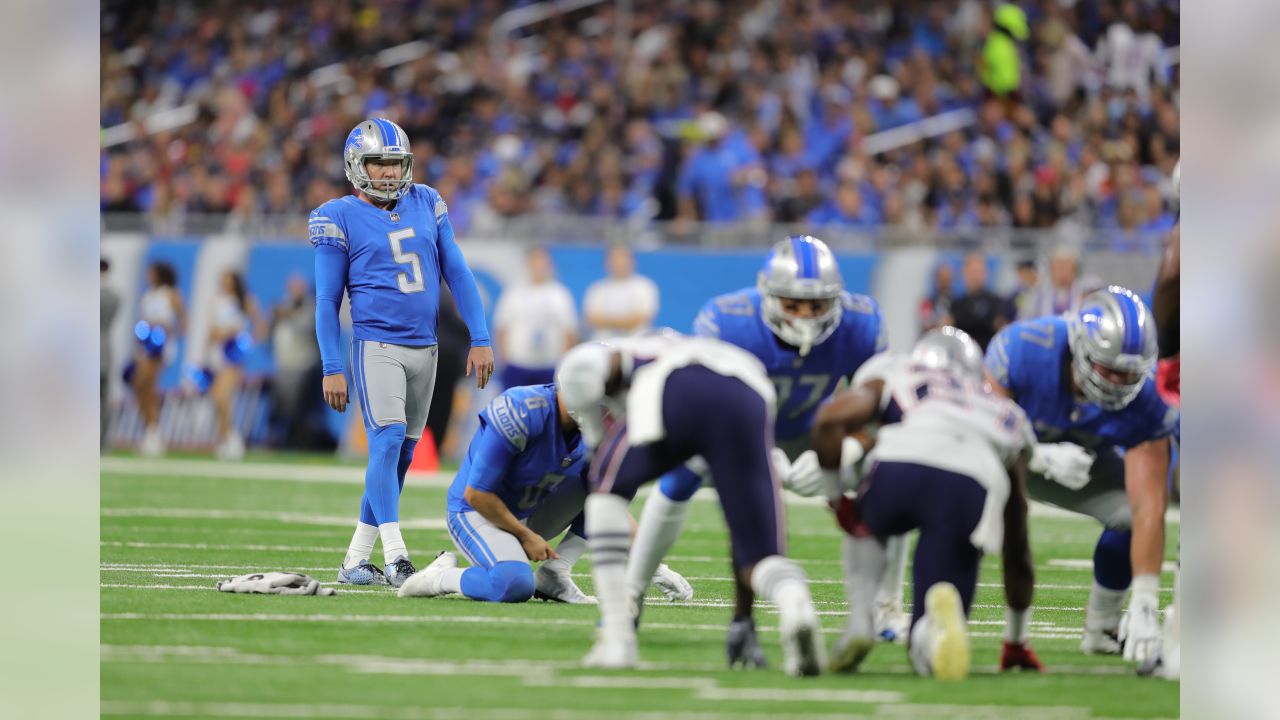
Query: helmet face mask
[378, 140]
[1113, 347]
[801, 268]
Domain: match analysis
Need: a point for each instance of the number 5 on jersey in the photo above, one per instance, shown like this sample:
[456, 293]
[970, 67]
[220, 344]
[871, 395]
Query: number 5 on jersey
[406, 258]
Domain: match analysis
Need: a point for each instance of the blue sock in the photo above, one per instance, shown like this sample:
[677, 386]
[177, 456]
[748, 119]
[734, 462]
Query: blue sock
[1111, 561]
[406, 457]
[507, 581]
[381, 490]
[680, 484]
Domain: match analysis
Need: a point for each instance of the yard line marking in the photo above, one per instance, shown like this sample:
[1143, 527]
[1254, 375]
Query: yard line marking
[281, 517]
[790, 695]
[207, 546]
[297, 710]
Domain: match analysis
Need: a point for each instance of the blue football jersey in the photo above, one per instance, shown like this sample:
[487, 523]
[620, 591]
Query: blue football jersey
[395, 261]
[519, 452]
[801, 382]
[1031, 359]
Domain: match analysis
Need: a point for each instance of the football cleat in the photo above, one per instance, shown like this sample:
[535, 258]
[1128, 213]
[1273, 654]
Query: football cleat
[612, 653]
[399, 570]
[152, 444]
[1019, 655]
[742, 646]
[1104, 641]
[672, 584]
[948, 632]
[849, 652]
[366, 573]
[559, 587]
[801, 636]
[428, 581]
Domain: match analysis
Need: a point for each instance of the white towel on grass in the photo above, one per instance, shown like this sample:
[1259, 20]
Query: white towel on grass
[275, 583]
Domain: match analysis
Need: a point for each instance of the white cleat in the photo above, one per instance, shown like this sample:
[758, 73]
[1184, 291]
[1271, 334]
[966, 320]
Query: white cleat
[612, 654]
[427, 582]
[801, 636]
[891, 621]
[948, 632]
[1100, 641]
[232, 448]
[672, 584]
[559, 587]
[152, 444]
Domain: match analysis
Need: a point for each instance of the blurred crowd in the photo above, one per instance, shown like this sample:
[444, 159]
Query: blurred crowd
[753, 111]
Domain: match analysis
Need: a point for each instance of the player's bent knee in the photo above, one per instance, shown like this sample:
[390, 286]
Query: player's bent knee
[512, 582]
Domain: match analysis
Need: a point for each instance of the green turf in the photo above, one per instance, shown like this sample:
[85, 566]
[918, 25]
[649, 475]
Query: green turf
[184, 649]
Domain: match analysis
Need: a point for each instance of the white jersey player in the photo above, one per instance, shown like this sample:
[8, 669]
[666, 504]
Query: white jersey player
[947, 458]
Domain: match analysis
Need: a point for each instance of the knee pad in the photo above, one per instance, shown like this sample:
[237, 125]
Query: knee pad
[680, 484]
[512, 582]
[1111, 562]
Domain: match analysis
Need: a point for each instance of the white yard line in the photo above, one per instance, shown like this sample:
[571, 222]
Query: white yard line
[158, 708]
[285, 472]
[281, 517]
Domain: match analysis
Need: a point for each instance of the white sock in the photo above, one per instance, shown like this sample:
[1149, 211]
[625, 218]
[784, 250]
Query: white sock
[660, 524]
[361, 545]
[920, 652]
[451, 580]
[780, 580]
[1104, 608]
[1017, 625]
[895, 570]
[609, 536]
[392, 543]
[570, 549]
[865, 561]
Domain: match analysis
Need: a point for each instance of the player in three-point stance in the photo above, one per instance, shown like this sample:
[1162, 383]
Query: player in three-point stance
[809, 333]
[947, 458]
[673, 398]
[387, 246]
[1085, 380]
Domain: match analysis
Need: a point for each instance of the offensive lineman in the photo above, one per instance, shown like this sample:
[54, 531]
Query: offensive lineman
[1085, 380]
[388, 246]
[809, 333]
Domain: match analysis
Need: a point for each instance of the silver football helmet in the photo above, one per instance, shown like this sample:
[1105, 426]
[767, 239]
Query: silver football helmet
[378, 138]
[951, 350]
[801, 267]
[1113, 346]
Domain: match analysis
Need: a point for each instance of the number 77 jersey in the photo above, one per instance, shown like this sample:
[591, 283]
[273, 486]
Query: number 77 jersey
[394, 261]
[802, 383]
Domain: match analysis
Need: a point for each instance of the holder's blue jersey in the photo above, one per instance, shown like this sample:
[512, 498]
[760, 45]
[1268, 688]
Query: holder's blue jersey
[801, 382]
[396, 258]
[519, 452]
[1030, 357]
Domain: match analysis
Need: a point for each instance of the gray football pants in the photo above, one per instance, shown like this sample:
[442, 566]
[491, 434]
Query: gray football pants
[394, 384]
[1104, 498]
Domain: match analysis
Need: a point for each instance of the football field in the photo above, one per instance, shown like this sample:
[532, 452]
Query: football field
[173, 646]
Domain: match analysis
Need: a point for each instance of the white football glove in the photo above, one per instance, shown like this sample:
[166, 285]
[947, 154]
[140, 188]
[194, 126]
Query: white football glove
[672, 584]
[1064, 463]
[1140, 630]
[805, 477]
[781, 464]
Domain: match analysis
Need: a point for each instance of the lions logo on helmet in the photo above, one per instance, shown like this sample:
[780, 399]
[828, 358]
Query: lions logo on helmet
[801, 267]
[1113, 347]
[378, 139]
